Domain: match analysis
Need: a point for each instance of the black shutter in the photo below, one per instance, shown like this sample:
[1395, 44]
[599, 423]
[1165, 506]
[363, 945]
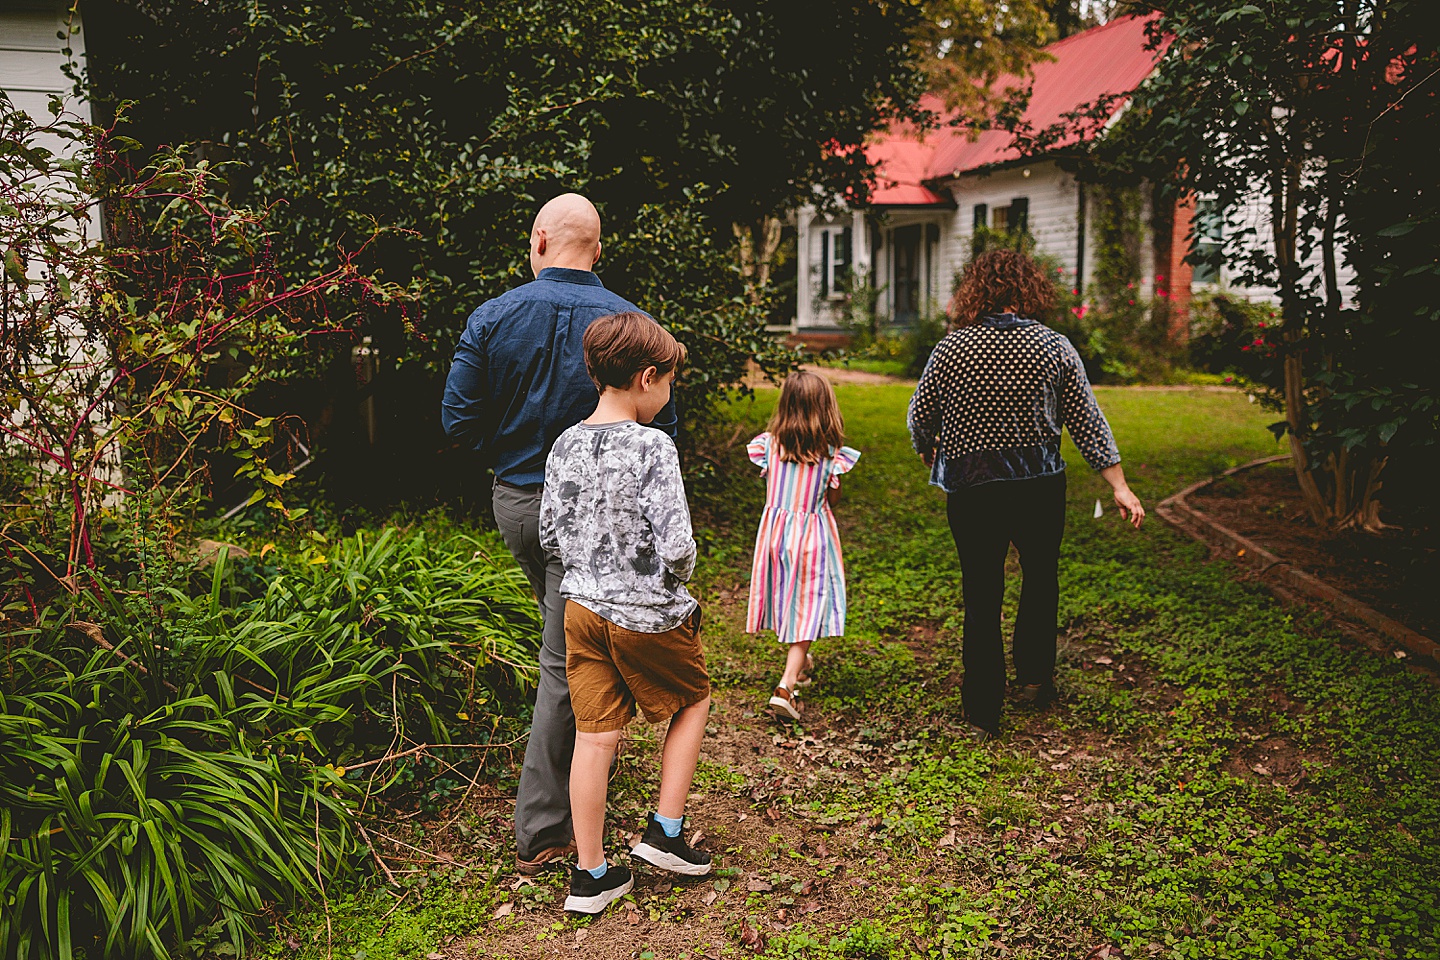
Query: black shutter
[824, 264]
[982, 216]
[842, 256]
[1020, 215]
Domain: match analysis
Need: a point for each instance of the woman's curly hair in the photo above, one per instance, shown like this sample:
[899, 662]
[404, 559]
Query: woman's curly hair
[999, 280]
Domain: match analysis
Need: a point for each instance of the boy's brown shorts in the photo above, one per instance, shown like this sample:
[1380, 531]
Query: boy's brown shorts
[612, 670]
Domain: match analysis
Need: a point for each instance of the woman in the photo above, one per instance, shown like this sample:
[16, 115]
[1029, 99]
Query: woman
[986, 418]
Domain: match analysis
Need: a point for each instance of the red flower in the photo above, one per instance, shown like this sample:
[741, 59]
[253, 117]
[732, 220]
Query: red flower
[1075, 292]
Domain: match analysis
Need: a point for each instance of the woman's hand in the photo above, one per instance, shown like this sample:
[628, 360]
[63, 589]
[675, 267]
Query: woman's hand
[929, 458]
[1130, 506]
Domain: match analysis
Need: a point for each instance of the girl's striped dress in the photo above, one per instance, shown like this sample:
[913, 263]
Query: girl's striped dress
[797, 582]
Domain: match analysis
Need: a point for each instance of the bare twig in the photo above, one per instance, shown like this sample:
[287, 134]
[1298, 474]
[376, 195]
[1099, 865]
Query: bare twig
[389, 874]
[432, 746]
[93, 631]
[320, 879]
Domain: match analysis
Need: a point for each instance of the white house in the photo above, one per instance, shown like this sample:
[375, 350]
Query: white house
[934, 188]
[31, 54]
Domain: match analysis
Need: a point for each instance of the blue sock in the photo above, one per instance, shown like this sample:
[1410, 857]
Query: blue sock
[600, 871]
[671, 825]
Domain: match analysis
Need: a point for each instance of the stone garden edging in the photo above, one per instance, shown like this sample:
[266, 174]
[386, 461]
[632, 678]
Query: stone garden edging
[1281, 576]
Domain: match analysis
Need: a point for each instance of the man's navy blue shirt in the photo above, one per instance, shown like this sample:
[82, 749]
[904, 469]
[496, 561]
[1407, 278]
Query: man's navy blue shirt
[518, 379]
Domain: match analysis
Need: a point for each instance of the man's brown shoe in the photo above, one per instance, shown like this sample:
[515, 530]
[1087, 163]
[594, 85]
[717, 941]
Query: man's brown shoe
[551, 857]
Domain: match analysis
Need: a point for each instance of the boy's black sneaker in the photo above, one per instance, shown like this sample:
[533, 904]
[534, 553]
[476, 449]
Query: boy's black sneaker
[588, 895]
[670, 853]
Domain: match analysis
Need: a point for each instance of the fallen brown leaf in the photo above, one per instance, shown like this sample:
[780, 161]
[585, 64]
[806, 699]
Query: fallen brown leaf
[696, 837]
[709, 898]
[1261, 769]
[757, 885]
[751, 937]
[949, 839]
[502, 911]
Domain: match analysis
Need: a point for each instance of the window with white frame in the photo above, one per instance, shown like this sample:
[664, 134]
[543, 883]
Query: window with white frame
[1209, 232]
[835, 259]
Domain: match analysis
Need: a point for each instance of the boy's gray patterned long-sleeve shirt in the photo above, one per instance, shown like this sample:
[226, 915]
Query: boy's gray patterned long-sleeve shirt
[614, 511]
[992, 402]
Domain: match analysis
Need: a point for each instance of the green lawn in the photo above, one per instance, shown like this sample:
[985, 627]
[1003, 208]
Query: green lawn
[1223, 778]
[1170, 842]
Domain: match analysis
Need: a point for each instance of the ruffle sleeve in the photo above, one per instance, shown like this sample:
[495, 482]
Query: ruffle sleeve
[759, 451]
[844, 462]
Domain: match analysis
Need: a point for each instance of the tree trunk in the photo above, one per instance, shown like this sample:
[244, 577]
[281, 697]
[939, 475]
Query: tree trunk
[757, 259]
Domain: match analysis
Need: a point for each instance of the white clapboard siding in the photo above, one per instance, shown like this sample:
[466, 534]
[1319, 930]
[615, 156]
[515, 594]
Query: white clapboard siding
[1254, 216]
[33, 37]
[1053, 218]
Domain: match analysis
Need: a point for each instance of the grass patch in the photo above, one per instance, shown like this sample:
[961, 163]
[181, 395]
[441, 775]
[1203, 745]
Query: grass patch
[1224, 777]
[1171, 843]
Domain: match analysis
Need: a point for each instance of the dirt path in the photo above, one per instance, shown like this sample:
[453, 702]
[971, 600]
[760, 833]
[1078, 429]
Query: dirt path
[835, 375]
[770, 804]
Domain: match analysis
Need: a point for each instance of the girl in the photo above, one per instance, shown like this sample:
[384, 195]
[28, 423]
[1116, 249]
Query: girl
[797, 582]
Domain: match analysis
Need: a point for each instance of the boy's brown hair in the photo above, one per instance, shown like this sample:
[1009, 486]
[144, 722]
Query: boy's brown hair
[807, 425]
[620, 345]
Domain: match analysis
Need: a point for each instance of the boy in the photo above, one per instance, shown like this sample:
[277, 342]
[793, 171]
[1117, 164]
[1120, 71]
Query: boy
[614, 511]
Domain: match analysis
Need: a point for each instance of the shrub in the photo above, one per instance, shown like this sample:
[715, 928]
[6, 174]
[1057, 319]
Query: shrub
[1232, 336]
[167, 756]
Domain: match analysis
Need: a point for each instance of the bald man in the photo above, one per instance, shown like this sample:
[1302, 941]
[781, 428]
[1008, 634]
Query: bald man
[517, 382]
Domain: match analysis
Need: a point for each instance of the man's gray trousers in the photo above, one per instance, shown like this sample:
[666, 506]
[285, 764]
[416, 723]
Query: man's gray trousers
[542, 804]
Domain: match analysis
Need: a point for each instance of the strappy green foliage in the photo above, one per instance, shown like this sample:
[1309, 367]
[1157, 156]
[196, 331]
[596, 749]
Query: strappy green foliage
[170, 757]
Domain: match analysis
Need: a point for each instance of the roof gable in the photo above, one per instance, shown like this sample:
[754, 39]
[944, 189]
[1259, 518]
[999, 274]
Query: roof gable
[1106, 60]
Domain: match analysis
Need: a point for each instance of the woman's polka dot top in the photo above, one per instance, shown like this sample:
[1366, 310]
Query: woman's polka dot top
[992, 402]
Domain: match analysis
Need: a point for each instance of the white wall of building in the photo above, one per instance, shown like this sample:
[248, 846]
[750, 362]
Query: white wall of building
[31, 62]
[1248, 229]
[1054, 206]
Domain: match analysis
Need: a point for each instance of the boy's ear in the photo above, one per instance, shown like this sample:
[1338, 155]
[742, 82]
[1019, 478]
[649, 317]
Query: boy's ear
[649, 376]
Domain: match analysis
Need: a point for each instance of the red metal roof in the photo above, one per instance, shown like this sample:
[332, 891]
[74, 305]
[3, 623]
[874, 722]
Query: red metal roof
[1109, 59]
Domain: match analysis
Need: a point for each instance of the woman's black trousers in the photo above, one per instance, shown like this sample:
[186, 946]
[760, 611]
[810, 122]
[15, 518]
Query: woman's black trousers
[985, 520]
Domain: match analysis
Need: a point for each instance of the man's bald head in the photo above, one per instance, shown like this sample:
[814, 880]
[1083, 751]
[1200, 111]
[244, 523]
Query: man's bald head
[566, 234]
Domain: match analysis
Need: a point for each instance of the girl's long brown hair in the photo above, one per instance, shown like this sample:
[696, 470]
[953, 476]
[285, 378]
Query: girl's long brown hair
[998, 280]
[807, 425]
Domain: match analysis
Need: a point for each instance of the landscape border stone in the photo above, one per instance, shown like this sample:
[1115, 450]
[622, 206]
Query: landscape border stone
[1285, 579]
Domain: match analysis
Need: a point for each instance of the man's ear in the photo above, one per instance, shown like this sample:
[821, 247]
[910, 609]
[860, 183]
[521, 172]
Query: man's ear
[541, 242]
[598, 248]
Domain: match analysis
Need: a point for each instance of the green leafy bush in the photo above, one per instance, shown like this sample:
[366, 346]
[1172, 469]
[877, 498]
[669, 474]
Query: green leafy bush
[169, 755]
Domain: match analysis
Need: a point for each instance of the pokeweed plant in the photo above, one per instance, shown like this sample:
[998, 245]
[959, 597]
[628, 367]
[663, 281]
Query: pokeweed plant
[129, 355]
